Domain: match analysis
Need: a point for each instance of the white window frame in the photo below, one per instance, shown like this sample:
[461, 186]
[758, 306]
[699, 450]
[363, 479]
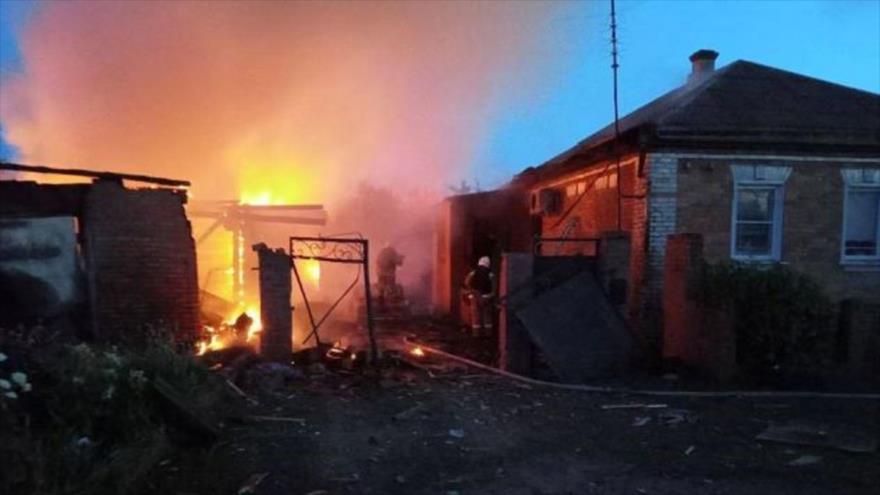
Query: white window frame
[869, 181]
[759, 177]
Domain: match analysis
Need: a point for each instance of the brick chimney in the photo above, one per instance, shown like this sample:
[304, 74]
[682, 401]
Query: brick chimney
[702, 65]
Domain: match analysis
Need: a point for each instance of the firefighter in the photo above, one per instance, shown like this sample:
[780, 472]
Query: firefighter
[388, 261]
[480, 287]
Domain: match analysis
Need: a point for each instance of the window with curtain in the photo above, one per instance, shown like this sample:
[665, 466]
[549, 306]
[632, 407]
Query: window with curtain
[757, 212]
[756, 229]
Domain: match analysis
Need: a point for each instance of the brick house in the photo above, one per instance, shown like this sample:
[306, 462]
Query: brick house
[766, 165]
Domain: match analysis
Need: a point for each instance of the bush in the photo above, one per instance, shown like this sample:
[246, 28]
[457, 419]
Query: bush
[784, 323]
[88, 422]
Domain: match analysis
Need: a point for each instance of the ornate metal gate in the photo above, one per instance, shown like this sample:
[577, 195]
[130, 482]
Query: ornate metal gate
[335, 250]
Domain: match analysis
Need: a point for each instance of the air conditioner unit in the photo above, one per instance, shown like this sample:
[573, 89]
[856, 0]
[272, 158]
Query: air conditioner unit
[548, 202]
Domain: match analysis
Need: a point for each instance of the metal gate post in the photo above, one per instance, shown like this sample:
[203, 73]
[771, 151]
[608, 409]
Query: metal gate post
[374, 353]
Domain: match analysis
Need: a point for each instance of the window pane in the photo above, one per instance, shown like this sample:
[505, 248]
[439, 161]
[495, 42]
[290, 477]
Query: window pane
[754, 204]
[753, 238]
[861, 223]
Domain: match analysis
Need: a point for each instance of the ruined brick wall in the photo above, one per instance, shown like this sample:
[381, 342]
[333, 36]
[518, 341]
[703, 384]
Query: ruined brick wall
[694, 335]
[811, 226]
[140, 261]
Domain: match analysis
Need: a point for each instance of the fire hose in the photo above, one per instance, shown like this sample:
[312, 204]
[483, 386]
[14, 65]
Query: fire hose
[657, 393]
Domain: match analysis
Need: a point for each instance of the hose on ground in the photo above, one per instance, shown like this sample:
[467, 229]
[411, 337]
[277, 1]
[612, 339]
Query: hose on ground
[656, 393]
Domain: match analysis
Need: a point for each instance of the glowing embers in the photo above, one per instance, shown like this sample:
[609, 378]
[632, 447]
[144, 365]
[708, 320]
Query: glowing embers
[242, 329]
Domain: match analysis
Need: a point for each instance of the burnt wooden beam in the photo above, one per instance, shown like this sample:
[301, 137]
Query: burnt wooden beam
[95, 174]
[250, 217]
[231, 203]
[280, 207]
[246, 217]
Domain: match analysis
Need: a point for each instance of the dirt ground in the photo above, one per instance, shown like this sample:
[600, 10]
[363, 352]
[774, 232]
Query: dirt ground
[405, 431]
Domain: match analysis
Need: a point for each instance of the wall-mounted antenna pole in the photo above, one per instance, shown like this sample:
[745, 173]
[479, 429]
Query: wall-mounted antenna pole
[616, 144]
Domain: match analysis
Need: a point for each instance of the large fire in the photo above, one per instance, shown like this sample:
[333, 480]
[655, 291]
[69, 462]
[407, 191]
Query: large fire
[273, 103]
[232, 255]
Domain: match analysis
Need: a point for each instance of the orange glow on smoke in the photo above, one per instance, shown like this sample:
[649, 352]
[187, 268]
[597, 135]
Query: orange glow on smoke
[273, 103]
[417, 352]
[301, 99]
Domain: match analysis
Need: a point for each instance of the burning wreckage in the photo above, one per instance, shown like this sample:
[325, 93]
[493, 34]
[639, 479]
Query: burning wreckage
[105, 261]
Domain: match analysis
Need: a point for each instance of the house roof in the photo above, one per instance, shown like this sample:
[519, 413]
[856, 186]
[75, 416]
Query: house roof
[745, 102]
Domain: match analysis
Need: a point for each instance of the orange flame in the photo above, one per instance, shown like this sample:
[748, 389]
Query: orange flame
[220, 338]
[417, 352]
[313, 272]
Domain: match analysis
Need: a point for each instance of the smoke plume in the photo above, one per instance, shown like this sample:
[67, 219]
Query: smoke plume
[300, 101]
[278, 102]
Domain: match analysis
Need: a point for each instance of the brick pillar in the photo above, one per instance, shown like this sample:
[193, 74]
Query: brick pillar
[276, 314]
[514, 345]
[614, 266]
[684, 258]
[693, 334]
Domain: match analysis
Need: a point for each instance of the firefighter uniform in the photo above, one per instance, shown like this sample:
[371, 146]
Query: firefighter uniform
[480, 284]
